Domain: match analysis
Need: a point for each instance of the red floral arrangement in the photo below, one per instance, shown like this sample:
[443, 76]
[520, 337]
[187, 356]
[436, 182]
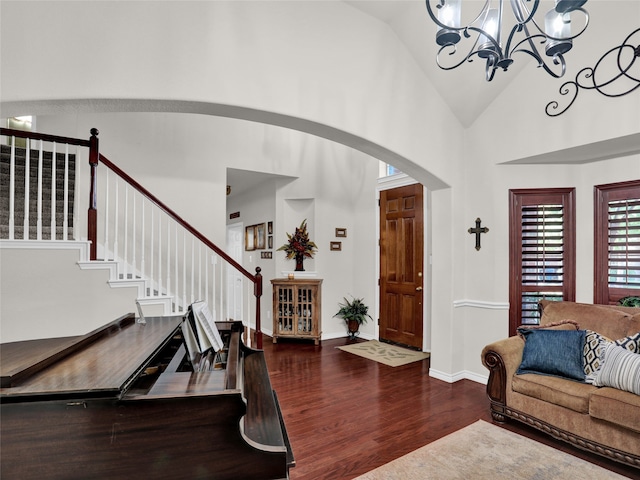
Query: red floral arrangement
[299, 243]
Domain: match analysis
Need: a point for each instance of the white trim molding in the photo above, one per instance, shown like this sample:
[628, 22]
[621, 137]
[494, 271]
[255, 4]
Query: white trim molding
[81, 246]
[481, 304]
[464, 375]
[395, 181]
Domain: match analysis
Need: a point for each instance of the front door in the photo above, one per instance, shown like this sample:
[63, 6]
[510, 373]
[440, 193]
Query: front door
[401, 265]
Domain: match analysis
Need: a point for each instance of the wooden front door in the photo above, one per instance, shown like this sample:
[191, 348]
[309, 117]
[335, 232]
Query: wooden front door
[401, 265]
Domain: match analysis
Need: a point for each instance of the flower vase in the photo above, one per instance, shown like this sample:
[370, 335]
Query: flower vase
[299, 262]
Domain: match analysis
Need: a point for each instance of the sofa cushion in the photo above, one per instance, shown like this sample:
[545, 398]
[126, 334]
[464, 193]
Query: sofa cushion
[616, 406]
[634, 324]
[608, 320]
[555, 390]
[553, 352]
[620, 369]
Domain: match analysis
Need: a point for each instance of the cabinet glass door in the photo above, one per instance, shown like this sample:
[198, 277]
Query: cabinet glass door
[285, 309]
[305, 310]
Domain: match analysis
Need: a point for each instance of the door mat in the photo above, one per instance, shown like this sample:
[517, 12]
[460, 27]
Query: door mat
[391, 355]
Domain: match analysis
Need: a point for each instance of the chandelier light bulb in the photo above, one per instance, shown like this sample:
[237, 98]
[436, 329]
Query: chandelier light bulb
[449, 15]
[557, 26]
[491, 26]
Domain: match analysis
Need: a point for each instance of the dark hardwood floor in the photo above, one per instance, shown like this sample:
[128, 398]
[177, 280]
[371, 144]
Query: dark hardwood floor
[346, 415]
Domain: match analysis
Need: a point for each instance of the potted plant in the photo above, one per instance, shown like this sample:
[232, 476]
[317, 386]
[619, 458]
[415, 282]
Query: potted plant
[630, 301]
[354, 313]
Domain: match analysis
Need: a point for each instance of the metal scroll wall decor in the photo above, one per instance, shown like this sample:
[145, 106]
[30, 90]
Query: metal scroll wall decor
[616, 84]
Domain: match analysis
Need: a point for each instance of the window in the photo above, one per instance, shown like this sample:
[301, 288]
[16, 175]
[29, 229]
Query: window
[388, 170]
[541, 251]
[20, 123]
[617, 241]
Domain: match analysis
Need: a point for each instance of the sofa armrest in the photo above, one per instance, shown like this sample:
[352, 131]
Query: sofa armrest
[502, 358]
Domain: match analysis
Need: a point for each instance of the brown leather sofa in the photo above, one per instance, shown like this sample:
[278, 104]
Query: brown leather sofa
[602, 420]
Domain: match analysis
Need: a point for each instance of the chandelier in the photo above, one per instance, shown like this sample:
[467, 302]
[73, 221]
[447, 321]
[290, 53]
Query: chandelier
[499, 35]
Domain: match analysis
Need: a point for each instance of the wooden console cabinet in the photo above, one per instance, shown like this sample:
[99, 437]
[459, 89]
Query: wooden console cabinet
[296, 308]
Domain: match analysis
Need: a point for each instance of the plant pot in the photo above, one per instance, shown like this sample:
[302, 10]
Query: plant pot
[299, 262]
[353, 326]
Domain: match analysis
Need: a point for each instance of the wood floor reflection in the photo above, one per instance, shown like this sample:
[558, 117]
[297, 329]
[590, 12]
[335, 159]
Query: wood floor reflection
[346, 415]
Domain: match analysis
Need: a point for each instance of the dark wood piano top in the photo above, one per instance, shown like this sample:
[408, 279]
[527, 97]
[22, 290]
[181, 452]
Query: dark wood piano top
[104, 394]
[116, 355]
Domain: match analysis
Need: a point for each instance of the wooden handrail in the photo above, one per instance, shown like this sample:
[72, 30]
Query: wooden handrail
[150, 196]
[44, 137]
[256, 279]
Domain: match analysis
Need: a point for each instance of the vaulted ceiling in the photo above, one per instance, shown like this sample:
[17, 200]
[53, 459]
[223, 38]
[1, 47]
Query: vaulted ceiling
[410, 21]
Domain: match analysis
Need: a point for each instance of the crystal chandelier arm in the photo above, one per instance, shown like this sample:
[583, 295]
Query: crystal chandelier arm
[558, 59]
[468, 56]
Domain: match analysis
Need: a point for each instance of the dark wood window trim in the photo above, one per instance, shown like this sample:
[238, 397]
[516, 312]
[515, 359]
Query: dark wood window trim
[562, 286]
[628, 196]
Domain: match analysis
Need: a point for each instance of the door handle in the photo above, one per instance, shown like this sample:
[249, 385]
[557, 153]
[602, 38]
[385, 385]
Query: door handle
[418, 289]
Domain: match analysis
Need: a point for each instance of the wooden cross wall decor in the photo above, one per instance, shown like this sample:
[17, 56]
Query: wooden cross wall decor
[477, 231]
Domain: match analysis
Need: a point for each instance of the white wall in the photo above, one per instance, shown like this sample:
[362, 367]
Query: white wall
[35, 286]
[335, 188]
[325, 68]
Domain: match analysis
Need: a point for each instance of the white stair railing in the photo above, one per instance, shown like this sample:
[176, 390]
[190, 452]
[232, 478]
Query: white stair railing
[25, 170]
[147, 241]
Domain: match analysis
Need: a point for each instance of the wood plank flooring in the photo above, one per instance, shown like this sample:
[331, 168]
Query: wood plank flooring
[346, 415]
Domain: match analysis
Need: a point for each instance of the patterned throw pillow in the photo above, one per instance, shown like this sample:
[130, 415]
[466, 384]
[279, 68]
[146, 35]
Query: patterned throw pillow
[594, 346]
[620, 369]
[631, 343]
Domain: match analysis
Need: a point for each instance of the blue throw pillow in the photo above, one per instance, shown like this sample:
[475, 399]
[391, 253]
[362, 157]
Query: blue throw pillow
[553, 352]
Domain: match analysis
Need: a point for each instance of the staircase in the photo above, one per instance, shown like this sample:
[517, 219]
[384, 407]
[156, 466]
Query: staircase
[126, 230]
[63, 170]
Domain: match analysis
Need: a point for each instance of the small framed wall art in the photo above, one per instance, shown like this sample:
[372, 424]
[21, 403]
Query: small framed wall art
[261, 239]
[249, 238]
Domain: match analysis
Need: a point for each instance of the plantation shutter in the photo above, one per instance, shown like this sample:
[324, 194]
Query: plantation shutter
[617, 241]
[542, 252]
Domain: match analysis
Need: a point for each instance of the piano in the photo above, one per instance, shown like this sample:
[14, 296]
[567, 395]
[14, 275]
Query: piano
[124, 402]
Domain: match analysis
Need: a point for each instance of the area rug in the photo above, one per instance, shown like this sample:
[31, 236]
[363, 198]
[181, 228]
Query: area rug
[485, 451]
[391, 355]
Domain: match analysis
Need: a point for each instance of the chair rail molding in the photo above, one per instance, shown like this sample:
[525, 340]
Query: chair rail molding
[481, 304]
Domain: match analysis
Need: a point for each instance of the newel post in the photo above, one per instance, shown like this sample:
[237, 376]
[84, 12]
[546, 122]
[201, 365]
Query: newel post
[257, 291]
[92, 224]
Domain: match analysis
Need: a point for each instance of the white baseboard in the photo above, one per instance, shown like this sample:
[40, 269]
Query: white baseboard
[452, 378]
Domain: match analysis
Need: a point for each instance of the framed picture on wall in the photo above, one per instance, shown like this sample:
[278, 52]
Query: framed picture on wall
[249, 238]
[270, 228]
[260, 236]
[270, 241]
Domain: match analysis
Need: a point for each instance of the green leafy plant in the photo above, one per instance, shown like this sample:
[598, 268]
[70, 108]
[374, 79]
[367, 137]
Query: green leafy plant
[629, 301]
[354, 310]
